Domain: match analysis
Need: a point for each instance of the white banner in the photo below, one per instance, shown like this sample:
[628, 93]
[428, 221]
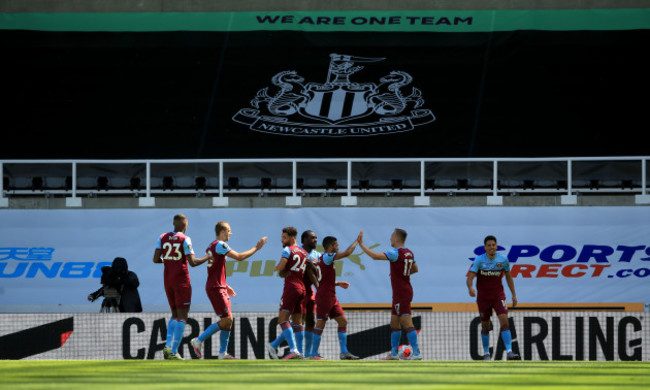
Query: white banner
[441, 336]
[50, 260]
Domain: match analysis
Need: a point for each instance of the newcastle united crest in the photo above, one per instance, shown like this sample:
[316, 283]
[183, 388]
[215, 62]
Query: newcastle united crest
[338, 107]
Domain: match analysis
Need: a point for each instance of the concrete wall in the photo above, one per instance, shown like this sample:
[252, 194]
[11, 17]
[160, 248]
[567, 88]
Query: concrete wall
[181, 202]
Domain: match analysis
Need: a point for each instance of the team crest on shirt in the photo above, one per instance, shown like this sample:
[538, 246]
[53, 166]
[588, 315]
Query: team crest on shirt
[498, 265]
[338, 107]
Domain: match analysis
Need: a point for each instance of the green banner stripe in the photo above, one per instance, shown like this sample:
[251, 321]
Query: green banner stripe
[403, 21]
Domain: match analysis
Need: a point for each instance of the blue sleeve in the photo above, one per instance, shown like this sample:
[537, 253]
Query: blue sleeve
[286, 252]
[187, 246]
[159, 243]
[328, 258]
[475, 265]
[392, 255]
[222, 248]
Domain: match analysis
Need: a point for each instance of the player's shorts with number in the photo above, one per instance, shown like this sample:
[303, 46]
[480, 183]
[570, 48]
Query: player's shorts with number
[487, 304]
[179, 296]
[402, 302]
[328, 308]
[293, 300]
[220, 301]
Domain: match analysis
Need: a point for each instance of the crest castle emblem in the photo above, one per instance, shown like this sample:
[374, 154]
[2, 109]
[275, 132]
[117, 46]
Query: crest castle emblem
[339, 106]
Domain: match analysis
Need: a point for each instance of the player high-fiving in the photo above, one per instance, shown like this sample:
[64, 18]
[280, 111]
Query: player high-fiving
[217, 290]
[327, 305]
[402, 266]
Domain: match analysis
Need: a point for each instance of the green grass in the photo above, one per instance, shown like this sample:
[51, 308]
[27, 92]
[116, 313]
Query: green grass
[265, 374]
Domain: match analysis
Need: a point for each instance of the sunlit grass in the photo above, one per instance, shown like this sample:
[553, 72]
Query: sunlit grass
[265, 374]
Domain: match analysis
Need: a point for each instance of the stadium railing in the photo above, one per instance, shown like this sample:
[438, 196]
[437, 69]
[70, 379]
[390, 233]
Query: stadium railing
[344, 177]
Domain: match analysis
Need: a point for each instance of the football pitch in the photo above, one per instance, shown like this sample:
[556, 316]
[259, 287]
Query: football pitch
[265, 374]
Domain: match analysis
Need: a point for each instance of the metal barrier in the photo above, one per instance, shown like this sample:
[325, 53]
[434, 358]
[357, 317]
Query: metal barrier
[294, 178]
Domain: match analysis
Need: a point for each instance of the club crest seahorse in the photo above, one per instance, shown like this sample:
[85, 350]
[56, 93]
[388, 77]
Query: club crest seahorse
[288, 99]
[389, 99]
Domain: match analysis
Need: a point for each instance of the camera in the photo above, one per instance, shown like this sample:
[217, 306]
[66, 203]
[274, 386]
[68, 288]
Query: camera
[119, 288]
[112, 285]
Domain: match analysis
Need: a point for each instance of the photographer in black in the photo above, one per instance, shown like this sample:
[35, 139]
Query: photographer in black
[119, 289]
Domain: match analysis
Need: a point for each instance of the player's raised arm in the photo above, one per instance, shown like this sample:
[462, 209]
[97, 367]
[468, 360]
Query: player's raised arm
[348, 251]
[373, 255]
[244, 255]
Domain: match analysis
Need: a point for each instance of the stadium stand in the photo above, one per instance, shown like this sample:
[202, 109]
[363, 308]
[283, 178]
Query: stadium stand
[129, 168]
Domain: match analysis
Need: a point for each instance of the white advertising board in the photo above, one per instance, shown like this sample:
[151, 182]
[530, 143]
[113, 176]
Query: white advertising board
[50, 260]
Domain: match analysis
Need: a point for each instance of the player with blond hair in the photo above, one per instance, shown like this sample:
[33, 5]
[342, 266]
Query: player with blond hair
[218, 291]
